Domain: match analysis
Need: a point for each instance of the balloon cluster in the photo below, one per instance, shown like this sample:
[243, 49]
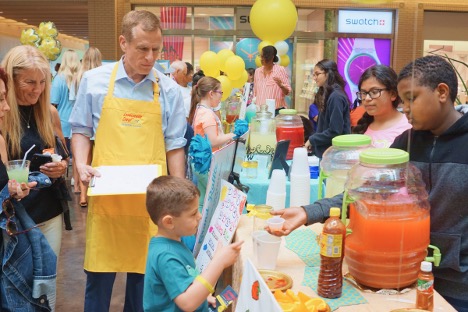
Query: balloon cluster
[44, 38]
[273, 21]
[232, 66]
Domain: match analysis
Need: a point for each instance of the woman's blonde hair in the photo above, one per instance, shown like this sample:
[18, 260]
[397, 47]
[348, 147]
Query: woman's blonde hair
[91, 59]
[16, 60]
[69, 68]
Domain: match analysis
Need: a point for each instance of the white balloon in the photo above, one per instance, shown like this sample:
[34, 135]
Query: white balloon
[282, 47]
[279, 59]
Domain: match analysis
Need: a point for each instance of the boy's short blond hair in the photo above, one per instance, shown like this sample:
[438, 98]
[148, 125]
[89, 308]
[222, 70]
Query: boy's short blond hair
[169, 195]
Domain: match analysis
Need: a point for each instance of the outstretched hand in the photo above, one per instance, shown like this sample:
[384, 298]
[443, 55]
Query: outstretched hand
[294, 216]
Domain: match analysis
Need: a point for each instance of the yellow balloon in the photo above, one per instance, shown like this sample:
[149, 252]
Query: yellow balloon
[258, 61]
[263, 44]
[285, 60]
[239, 83]
[29, 37]
[226, 86]
[234, 65]
[47, 29]
[273, 20]
[214, 73]
[223, 55]
[209, 62]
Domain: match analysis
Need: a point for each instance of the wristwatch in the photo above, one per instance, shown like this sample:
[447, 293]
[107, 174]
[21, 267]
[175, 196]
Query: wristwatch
[361, 58]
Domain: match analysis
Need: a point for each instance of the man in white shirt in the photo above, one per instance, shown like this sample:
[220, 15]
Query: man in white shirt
[179, 74]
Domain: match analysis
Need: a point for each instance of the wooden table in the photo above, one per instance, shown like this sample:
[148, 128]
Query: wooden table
[291, 264]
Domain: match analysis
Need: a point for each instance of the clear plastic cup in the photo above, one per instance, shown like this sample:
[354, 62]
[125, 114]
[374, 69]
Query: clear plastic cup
[16, 171]
[267, 249]
[275, 223]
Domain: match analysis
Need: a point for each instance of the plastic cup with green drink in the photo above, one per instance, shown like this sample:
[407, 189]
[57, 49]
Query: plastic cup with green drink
[17, 171]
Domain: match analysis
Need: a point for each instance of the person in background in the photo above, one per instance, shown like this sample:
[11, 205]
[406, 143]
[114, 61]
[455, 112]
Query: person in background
[206, 95]
[333, 105]
[271, 81]
[439, 141]
[91, 59]
[56, 68]
[63, 90]
[378, 95]
[189, 76]
[33, 121]
[250, 79]
[179, 74]
[313, 115]
[137, 117]
[172, 282]
[356, 113]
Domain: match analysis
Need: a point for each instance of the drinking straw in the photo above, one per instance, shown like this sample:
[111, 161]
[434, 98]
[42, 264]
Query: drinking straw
[26, 155]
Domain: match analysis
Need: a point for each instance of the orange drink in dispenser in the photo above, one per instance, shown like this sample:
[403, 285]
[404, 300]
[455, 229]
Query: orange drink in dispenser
[389, 219]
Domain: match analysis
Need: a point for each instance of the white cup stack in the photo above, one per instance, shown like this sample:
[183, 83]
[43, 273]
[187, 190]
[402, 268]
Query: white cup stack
[271, 104]
[300, 178]
[276, 194]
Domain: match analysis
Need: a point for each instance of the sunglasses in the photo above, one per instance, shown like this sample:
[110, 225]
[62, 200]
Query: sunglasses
[11, 227]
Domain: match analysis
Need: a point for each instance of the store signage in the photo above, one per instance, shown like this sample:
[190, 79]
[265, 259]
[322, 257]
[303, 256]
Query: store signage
[243, 19]
[365, 22]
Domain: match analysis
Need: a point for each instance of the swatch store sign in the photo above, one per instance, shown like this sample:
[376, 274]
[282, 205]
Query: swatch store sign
[365, 22]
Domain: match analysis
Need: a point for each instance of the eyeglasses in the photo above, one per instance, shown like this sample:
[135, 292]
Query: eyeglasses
[218, 91]
[9, 211]
[315, 75]
[373, 94]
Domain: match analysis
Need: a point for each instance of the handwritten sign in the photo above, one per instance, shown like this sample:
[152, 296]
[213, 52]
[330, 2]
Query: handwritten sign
[220, 168]
[223, 224]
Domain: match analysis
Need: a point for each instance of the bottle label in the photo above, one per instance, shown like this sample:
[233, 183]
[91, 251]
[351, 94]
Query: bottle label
[424, 285]
[331, 245]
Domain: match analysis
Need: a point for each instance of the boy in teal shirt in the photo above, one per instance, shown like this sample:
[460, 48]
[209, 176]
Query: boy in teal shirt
[171, 281]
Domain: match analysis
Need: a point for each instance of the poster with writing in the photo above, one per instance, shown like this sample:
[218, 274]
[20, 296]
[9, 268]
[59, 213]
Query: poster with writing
[254, 294]
[220, 168]
[223, 224]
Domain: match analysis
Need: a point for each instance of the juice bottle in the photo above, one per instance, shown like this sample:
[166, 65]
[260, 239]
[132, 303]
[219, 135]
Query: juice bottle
[425, 290]
[330, 279]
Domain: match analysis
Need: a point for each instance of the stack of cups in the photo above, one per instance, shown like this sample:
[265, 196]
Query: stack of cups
[314, 166]
[276, 194]
[300, 178]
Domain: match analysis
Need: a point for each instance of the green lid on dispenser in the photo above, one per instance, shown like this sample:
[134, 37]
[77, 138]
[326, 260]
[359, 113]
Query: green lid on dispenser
[384, 156]
[287, 111]
[350, 140]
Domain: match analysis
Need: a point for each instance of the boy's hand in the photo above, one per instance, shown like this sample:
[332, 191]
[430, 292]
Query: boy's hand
[225, 256]
[211, 300]
[294, 216]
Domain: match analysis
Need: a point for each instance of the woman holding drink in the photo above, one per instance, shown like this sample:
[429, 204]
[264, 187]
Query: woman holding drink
[33, 121]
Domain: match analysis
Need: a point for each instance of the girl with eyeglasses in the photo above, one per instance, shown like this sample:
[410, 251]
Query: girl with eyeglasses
[206, 95]
[333, 105]
[378, 95]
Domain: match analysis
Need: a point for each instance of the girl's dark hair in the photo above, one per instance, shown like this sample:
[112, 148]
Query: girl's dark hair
[4, 77]
[197, 76]
[330, 68]
[429, 71]
[386, 76]
[269, 53]
[199, 91]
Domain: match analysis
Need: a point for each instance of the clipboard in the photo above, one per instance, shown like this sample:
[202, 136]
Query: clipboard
[123, 180]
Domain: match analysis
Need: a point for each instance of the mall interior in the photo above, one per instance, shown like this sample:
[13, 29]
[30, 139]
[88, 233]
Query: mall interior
[405, 30]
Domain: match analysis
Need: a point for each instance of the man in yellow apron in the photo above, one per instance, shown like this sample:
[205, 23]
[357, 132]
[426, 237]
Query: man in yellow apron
[137, 117]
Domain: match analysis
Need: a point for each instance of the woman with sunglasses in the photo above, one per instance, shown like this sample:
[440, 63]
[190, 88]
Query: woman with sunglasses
[206, 95]
[333, 105]
[378, 95]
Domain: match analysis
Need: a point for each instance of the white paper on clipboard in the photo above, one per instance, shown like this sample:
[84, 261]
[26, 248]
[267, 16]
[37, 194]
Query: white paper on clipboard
[121, 180]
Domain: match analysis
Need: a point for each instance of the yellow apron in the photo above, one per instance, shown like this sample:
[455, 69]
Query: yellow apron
[118, 228]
